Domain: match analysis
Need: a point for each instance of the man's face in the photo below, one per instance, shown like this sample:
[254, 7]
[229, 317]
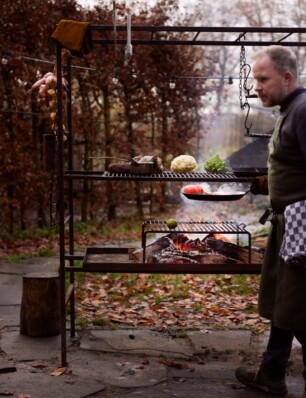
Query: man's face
[271, 85]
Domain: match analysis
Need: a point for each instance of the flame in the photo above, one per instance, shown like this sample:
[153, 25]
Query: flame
[221, 237]
[183, 246]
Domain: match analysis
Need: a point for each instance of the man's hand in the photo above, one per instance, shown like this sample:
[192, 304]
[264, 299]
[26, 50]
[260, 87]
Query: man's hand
[259, 185]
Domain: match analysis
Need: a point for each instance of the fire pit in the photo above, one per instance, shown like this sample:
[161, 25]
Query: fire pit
[208, 229]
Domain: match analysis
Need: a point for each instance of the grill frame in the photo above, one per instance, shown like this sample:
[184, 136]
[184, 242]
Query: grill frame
[152, 38]
[116, 259]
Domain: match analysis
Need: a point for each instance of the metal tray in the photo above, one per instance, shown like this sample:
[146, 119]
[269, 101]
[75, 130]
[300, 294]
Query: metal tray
[216, 197]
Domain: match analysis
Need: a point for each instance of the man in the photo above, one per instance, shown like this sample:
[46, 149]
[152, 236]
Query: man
[282, 293]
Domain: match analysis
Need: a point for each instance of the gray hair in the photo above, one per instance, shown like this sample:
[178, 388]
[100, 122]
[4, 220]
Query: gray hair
[282, 58]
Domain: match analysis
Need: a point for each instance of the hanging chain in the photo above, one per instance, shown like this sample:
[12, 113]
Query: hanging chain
[242, 93]
[53, 189]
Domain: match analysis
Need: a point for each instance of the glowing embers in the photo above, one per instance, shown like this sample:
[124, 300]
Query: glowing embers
[178, 248]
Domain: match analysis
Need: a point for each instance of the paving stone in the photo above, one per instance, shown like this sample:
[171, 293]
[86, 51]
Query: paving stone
[135, 342]
[40, 385]
[6, 366]
[25, 348]
[34, 264]
[225, 340]
[9, 315]
[11, 289]
[124, 371]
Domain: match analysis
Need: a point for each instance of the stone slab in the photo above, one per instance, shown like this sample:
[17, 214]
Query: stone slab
[41, 385]
[220, 340]
[25, 348]
[136, 342]
[6, 366]
[11, 289]
[261, 343]
[34, 264]
[9, 316]
[124, 371]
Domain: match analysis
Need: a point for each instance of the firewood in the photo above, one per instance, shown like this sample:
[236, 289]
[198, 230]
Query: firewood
[260, 241]
[160, 244]
[215, 258]
[233, 251]
[171, 255]
[179, 248]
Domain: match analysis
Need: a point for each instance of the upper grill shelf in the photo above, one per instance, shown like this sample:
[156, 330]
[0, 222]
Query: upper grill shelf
[165, 176]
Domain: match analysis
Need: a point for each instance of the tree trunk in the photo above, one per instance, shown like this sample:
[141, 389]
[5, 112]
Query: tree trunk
[110, 192]
[165, 146]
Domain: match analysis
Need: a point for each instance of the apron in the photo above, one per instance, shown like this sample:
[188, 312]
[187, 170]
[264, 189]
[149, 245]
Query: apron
[282, 290]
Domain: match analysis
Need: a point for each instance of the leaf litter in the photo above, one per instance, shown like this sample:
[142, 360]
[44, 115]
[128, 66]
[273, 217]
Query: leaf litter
[188, 301]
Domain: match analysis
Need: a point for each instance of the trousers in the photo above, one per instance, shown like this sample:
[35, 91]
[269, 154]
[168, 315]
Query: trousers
[277, 354]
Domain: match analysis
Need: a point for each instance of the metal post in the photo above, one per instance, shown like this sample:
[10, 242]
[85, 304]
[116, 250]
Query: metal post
[70, 200]
[60, 201]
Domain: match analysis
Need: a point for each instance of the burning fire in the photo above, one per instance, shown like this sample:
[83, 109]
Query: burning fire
[221, 237]
[189, 244]
[183, 246]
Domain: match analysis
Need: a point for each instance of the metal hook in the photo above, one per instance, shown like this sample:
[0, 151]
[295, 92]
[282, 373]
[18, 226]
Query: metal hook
[248, 128]
[246, 76]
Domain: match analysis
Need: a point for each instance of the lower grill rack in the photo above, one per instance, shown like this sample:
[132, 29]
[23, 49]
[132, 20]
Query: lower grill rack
[191, 227]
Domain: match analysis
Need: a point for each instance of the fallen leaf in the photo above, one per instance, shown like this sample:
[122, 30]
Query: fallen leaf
[40, 365]
[169, 362]
[149, 303]
[58, 372]
[124, 363]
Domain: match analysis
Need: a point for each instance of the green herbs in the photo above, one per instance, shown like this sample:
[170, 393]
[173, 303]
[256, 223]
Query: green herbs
[215, 165]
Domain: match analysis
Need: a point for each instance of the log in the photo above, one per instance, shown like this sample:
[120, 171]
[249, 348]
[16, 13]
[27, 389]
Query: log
[170, 255]
[208, 250]
[40, 305]
[160, 244]
[260, 241]
[233, 251]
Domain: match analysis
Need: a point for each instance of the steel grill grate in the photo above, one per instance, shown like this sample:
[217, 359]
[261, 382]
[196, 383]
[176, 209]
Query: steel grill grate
[155, 226]
[165, 176]
[168, 175]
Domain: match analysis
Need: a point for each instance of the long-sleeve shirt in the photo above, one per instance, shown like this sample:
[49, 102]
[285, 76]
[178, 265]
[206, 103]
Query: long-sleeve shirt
[293, 130]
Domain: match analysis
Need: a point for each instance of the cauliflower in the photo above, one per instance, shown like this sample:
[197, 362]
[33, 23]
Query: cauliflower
[184, 164]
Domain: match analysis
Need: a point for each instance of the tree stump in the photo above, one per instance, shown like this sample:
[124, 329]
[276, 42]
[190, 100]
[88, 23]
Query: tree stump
[40, 305]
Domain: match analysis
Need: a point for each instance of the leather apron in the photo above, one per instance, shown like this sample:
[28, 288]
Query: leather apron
[282, 292]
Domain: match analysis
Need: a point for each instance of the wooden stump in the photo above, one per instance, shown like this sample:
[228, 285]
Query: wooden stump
[40, 305]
